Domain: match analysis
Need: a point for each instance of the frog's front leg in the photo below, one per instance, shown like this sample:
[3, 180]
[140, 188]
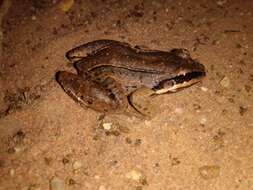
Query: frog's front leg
[82, 51]
[107, 97]
[142, 101]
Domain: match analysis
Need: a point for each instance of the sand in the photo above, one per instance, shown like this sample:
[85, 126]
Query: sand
[202, 137]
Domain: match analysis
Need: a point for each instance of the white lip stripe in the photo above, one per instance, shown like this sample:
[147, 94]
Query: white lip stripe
[176, 86]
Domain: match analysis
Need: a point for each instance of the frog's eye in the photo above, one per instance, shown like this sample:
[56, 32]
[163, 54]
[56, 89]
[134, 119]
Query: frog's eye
[187, 77]
[168, 83]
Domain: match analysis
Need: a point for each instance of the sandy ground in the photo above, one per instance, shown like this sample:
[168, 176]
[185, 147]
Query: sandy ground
[202, 137]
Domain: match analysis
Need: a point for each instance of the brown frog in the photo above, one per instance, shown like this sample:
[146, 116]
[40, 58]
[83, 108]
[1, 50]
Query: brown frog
[109, 72]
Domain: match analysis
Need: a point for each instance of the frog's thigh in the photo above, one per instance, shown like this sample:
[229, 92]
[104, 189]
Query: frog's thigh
[89, 93]
[116, 91]
[89, 48]
[141, 100]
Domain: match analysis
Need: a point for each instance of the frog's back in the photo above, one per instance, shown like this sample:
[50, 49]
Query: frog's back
[126, 57]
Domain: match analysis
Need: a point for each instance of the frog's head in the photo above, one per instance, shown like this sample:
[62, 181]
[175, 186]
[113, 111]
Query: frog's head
[183, 72]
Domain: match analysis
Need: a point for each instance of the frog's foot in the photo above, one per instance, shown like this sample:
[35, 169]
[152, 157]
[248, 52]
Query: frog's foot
[142, 101]
[89, 93]
[89, 48]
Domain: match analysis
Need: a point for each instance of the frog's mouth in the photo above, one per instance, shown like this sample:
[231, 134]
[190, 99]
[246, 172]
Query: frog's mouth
[179, 82]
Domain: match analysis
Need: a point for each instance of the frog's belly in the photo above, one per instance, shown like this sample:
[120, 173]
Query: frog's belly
[130, 80]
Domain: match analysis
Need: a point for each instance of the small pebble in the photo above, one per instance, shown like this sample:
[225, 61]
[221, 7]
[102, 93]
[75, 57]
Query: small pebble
[57, 184]
[209, 172]
[77, 165]
[225, 82]
[107, 126]
[203, 121]
[134, 175]
[34, 17]
[12, 172]
[147, 123]
[101, 187]
[204, 89]
[97, 177]
[19, 149]
[179, 110]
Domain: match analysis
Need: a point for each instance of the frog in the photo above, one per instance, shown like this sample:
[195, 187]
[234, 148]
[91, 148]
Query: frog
[109, 72]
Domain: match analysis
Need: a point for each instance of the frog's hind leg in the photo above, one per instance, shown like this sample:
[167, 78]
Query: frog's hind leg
[84, 50]
[89, 93]
[110, 83]
[116, 91]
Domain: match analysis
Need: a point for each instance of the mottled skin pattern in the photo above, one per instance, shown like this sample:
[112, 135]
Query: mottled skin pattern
[110, 71]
